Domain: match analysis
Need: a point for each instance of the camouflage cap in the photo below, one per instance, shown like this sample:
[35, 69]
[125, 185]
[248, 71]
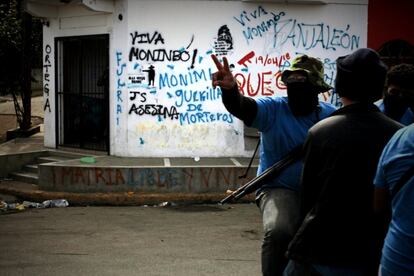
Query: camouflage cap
[313, 69]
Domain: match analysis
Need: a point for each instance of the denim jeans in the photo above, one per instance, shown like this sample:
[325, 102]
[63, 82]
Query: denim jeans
[295, 268]
[280, 214]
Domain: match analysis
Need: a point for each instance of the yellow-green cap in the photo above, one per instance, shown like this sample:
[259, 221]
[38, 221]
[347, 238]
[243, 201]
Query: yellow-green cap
[313, 69]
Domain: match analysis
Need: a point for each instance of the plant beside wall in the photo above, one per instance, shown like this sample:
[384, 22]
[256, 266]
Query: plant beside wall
[20, 50]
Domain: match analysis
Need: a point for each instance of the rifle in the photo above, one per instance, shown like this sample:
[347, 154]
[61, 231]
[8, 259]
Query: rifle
[265, 176]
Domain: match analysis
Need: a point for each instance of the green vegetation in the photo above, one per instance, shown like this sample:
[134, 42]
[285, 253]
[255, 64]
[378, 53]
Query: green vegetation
[20, 51]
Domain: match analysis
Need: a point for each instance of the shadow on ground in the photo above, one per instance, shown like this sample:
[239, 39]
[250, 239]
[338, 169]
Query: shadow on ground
[9, 122]
[198, 208]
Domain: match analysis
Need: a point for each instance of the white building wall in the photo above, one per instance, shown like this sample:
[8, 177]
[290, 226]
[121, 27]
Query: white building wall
[179, 113]
[49, 98]
[118, 94]
[70, 21]
[270, 34]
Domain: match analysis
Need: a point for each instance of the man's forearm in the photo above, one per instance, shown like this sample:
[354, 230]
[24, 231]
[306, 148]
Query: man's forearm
[242, 107]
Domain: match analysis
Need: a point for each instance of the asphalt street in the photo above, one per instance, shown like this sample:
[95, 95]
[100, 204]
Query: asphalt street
[147, 240]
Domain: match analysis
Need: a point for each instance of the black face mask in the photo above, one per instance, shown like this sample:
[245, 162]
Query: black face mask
[395, 106]
[302, 98]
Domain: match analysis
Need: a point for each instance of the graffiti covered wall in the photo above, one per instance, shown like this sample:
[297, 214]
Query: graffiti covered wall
[115, 179]
[164, 71]
[48, 87]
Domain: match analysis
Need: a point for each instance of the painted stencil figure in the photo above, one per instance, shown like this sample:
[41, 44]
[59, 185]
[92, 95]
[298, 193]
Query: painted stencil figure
[225, 36]
[283, 123]
[151, 75]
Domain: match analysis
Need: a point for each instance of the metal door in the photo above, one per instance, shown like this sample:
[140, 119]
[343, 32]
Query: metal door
[83, 88]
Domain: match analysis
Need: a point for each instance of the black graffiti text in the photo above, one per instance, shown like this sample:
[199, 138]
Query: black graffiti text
[154, 110]
[135, 94]
[146, 38]
[158, 55]
[46, 76]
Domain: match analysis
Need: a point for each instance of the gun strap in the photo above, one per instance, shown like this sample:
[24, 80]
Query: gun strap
[274, 170]
[271, 172]
[293, 156]
[251, 161]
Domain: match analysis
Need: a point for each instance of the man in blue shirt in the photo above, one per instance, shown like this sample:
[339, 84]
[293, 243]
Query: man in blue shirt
[400, 81]
[396, 165]
[283, 123]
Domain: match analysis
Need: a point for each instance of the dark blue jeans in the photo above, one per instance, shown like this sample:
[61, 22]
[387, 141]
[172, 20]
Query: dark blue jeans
[295, 268]
[280, 214]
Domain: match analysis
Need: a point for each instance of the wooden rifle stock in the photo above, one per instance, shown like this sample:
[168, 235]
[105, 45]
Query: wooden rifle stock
[265, 176]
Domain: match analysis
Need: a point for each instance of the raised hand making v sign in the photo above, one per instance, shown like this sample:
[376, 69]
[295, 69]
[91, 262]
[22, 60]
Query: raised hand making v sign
[283, 123]
[223, 77]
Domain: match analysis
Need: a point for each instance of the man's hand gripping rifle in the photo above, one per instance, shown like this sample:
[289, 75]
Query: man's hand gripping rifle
[264, 177]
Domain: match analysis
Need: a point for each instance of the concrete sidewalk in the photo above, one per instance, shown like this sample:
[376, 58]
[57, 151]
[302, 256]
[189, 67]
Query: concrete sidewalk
[25, 191]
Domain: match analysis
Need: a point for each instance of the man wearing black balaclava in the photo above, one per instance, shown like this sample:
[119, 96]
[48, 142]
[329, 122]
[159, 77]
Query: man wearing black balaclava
[400, 87]
[283, 123]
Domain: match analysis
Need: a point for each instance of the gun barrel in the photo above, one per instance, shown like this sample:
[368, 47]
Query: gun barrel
[227, 199]
[265, 176]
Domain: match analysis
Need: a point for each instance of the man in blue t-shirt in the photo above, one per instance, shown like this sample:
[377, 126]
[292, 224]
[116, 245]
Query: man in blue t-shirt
[396, 159]
[283, 123]
[400, 81]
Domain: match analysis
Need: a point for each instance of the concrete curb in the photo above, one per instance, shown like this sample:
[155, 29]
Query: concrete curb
[117, 199]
